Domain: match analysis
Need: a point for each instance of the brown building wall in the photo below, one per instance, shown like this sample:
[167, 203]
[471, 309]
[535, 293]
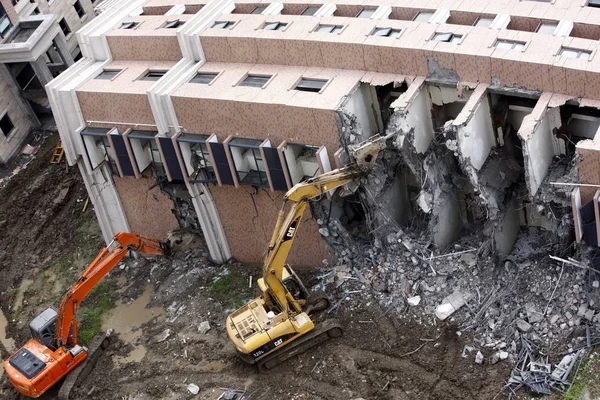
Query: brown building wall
[144, 48]
[115, 107]
[249, 218]
[148, 212]
[10, 10]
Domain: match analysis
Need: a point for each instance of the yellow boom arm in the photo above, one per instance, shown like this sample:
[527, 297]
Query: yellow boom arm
[287, 224]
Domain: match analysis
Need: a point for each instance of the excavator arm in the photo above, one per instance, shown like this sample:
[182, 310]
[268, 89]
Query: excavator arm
[297, 199]
[66, 323]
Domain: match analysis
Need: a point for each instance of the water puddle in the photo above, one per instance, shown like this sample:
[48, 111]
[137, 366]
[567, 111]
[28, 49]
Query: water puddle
[18, 304]
[8, 343]
[126, 320]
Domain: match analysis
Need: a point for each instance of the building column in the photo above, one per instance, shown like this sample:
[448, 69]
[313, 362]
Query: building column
[42, 71]
[16, 90]
[61, 45]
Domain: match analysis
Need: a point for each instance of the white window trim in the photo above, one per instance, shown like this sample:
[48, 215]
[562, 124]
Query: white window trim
[14, 130]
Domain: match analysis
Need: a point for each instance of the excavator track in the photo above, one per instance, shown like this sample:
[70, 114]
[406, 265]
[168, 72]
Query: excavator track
[95, 349]
[324, 331]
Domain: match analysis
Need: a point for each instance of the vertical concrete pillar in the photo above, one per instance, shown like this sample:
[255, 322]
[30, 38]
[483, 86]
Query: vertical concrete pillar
[42, 71]
[61, 45]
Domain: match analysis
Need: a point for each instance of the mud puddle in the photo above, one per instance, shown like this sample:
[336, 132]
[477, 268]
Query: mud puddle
[18, 304]
[127, 319]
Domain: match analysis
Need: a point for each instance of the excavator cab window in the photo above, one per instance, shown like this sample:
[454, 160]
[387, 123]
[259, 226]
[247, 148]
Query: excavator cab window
[43, 328]
[295, 288]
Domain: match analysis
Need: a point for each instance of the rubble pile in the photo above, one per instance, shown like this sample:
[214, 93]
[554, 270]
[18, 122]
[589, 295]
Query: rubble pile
[527, 294]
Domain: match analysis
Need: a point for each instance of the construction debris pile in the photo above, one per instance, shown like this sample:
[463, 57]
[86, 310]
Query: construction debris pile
[526, 297]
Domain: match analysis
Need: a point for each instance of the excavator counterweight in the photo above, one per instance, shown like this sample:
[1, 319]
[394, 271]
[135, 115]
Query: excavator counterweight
[53, 351]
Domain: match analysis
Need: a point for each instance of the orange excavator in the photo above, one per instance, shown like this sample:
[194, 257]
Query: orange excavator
[53, 351]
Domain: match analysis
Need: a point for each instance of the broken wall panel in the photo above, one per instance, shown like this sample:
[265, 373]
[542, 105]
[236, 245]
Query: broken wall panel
[588, 165]
[505, 233]
[363, 104]
[414, 108]
[475, 132]
[536, 135]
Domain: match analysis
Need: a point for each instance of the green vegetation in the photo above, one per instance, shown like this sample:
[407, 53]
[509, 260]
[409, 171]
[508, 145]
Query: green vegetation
[587, 377]
[232, 289]
[90, 314]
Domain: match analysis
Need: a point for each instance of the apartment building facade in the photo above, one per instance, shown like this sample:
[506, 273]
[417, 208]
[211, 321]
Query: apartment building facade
[37, 42]
[218, 107]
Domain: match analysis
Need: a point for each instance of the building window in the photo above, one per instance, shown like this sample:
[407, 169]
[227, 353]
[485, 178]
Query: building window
[301, 162]
[173, 24]
[223, 24]
[108, 74]
[64, 27]
[575, 53]
[447, 37]
[483, 22]
[423, 16]
[36, 11]
[98, 148]
[255, 80]
[153, 75]
[311, 85]
[196, 157]
[594, 3]
[204, 77]
[146, 153]
[274, 26]
[329, 28]
[547, 27]
[310, 10]
[258, 10]
[247, 162]
[5, 23]
[6, 125]
[509, 44]
[128, 25]
[387, 32]
[79, 9]
[366, 13]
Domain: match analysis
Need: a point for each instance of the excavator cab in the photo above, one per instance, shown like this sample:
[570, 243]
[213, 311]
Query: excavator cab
[43, 328]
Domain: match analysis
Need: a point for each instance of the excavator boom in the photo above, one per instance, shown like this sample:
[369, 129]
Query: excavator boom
[53, 351]
[279, 316]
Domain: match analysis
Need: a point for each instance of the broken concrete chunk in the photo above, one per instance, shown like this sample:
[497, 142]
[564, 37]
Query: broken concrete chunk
[479, 358]
[523, 325]
[450, 305]
[425, 201]
[414, 301]
[204, 327]
[194, 389]
[161, 337]
[324, 232]
[533, 314]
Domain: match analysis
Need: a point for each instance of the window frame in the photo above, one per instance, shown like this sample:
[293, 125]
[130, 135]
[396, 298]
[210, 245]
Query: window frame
[541, 25]
[134, 25]
[481, 19]
[206, 73]
[10, 121]
[595, 5]
[415, 18]
[513, 43]
[79, 9]
[100, 77]
[108, 157]
[372, 11]
[148, 144]
[209, 170]
[244, 82]
[334, 28]
[254, 146]
[579, 52]
[392, 32]
[452, 36]
[64, 25]
[310, 89]
[228, 25]
[317, 8]
[279, 26]
[173, 24]
[261, 8]
[146, 75]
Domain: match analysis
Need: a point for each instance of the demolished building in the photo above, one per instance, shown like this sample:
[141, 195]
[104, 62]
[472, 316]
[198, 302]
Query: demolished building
[203, 113]
[37, 43]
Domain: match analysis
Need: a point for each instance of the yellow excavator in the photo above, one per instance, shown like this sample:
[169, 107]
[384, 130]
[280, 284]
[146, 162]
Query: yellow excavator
[276, 325]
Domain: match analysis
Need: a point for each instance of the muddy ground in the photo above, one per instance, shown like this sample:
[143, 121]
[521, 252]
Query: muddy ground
[156, 306]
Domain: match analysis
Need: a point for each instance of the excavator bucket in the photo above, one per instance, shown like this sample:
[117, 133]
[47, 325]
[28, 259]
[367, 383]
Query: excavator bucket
[366, 152]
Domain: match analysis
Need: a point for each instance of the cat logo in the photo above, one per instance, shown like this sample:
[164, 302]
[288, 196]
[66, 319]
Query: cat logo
[278, 342]
[289, 235]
